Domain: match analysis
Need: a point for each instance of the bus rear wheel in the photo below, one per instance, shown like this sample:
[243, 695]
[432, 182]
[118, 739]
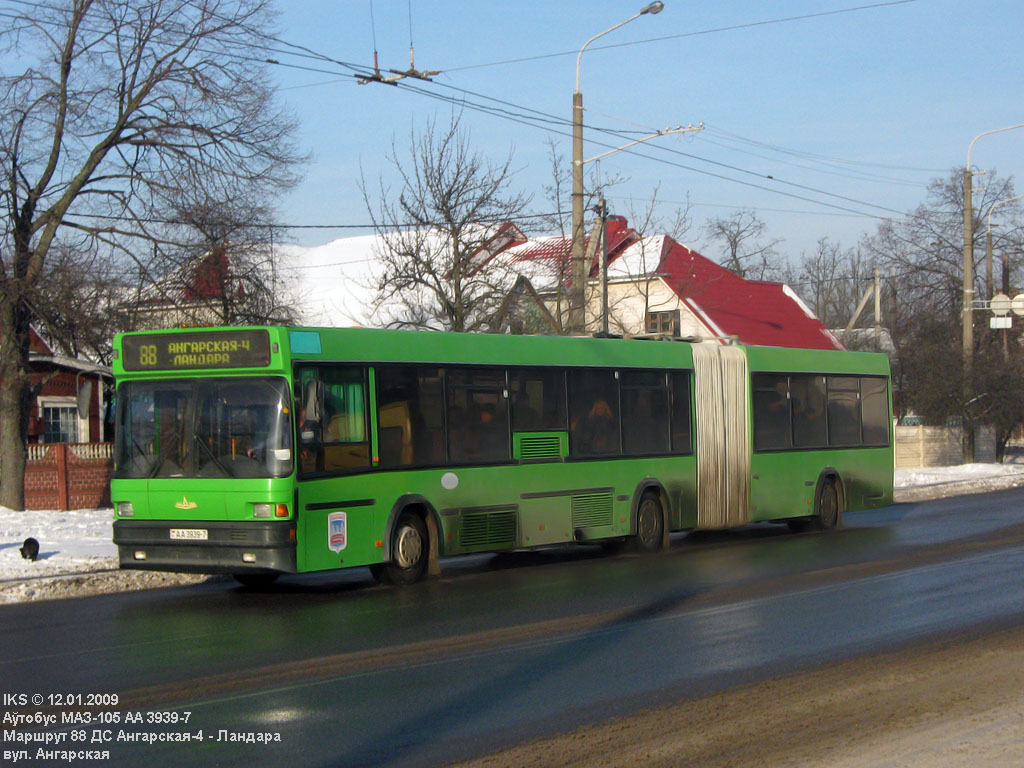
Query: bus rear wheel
[828, 511]
[650, 523]
[410, 550]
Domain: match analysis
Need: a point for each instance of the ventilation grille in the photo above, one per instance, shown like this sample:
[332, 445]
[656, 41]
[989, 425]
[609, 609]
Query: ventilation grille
[591, 509]
[540, 447]
[489, 529]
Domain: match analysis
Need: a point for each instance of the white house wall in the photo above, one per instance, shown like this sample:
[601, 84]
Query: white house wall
[630, 301]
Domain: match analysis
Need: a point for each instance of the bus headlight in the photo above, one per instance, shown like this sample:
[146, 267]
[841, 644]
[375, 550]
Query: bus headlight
[125, 509]
[270, 510]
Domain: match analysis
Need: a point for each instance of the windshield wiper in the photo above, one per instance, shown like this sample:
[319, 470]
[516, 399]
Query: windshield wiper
[209, 452]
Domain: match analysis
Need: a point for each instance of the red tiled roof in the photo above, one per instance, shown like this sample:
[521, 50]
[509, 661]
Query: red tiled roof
[756, 312]
[556, 251]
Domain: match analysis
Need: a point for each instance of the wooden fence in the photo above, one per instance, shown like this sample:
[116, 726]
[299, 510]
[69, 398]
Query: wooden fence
[68, 475]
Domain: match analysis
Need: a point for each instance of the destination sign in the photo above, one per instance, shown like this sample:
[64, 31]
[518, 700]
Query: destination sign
[209, 349]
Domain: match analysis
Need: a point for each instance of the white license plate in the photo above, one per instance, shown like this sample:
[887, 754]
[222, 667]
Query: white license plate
[190, 534]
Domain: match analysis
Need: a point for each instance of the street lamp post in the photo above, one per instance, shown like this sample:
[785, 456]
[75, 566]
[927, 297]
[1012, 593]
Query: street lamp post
[579, 276]
[988, 250]
[968, 298]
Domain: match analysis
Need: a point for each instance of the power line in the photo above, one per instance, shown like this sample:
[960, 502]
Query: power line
[683, 35]
[538, 119]
[552, 118]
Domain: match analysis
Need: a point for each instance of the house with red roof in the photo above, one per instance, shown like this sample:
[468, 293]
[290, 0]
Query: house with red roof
[659, 286]
[59, 384]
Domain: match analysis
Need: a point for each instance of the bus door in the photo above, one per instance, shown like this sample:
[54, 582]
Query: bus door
[721, 396]
[335, 526]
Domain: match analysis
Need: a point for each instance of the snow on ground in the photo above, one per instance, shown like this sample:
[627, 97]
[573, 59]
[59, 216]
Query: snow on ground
[69, 542]
[77, 554]
[965, 473]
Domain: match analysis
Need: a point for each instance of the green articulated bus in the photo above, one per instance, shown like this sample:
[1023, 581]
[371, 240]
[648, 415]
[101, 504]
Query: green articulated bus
[267, 450]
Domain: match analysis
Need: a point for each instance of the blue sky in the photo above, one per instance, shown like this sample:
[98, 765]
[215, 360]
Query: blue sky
[892, 95]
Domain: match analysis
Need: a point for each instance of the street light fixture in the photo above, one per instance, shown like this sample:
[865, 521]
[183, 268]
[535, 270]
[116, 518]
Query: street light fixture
[968, 298]
[988, 250]
[577, 297]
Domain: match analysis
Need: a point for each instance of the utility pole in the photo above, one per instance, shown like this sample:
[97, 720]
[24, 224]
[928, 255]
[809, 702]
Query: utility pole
[968, 299]
[602, 212]
[878, 310]
[577, 297]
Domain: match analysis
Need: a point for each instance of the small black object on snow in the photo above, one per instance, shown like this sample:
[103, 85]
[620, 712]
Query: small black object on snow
[30, 549]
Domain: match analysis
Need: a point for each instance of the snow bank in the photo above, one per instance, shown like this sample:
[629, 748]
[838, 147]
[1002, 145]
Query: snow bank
[965, 474]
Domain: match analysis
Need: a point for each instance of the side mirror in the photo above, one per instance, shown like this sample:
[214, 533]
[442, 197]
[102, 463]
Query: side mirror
[84, 396]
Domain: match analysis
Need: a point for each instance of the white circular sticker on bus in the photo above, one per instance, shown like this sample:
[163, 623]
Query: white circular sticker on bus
[449, 481]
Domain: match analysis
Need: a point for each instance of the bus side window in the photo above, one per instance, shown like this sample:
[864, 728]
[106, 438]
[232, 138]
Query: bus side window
[681, 439]
[410, 416]
[645, 426]
[772, 424]
[875, 410]
[477, 415]
[810, 429]
[538, 399]
[843, 411]
[593, 412]
[332, 419]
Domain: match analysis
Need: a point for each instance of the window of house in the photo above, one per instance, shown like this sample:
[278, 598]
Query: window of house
[61, 423]
[663, 322]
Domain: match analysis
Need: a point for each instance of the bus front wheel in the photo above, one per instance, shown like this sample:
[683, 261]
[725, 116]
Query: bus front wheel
[410, 550]
[828, 514]
[650, 523]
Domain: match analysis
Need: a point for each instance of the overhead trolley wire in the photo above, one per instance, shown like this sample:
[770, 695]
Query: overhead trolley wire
[730, 28]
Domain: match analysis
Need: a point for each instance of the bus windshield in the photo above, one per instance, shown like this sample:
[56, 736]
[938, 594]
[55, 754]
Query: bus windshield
[204, 428]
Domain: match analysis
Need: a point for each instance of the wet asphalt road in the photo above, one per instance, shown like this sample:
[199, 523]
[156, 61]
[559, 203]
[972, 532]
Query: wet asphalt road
[505, 648]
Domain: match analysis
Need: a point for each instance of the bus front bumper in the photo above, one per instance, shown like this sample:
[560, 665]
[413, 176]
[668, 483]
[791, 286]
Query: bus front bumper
[194, 546]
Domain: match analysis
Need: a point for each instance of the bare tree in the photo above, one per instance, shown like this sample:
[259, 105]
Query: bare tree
[744, 247]
[635, 289]
[922, 254]
[225, 268]
[558, 223]
[126, 102]
[831, 280]
[924, 250]
[438, 269]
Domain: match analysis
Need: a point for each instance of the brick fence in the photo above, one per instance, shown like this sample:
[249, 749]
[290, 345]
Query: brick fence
[68, 475]
[941, 446]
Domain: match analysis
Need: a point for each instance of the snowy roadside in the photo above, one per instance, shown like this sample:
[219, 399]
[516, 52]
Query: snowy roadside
[77, 556]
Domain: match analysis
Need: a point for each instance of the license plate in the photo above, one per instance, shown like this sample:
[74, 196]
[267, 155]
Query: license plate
[190, 534]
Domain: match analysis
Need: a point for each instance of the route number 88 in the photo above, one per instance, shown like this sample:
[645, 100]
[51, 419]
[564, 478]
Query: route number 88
[147, 354]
